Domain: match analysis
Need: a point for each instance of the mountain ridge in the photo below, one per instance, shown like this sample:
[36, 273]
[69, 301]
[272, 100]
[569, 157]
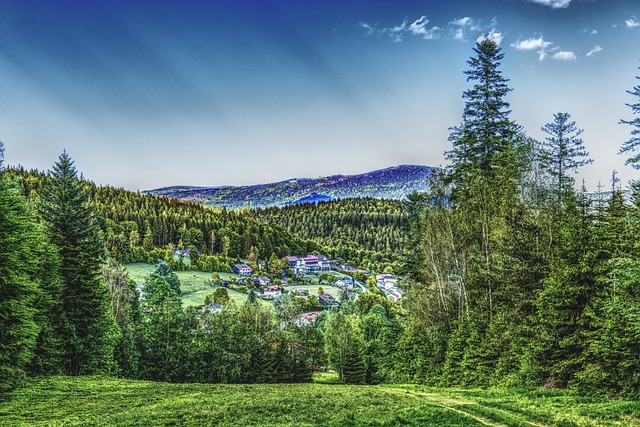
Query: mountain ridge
[394, 182]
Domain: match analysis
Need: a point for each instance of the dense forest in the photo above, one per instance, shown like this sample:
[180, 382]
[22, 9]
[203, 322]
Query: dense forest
[371, 233]
[519, 279]
[514, 277]
[141, 228]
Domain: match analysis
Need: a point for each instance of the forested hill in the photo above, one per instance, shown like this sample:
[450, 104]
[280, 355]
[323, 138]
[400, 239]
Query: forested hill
[371, 232]
[140, 228]
[390, 183]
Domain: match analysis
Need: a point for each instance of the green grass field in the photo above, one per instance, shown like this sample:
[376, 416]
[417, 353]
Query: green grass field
[193, 283]
[97, 401]
[313, 289]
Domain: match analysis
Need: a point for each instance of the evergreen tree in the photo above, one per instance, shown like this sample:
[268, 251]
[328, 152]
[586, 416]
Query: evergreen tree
[164, 334]
[73, 229]
[164, 270]
[344, 343]
[18, 289]
[563, 151]
[486, 133]
[631, 145]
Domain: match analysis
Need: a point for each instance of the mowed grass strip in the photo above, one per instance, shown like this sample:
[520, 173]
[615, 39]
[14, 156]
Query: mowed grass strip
[540, 407]
[97, 401]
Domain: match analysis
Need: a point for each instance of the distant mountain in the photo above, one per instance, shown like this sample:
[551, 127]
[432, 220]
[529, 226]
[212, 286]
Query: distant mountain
[390, 183]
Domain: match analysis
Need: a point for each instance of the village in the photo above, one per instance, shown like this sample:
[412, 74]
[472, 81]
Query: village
[313, 282]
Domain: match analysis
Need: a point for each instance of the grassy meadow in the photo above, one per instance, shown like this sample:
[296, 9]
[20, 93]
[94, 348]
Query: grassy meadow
[98, 401]
[193, 283]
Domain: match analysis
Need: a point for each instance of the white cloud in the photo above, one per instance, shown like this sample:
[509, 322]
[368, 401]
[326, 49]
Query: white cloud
[593, 32]
[538, 44]
[493, 35]
[564, 56]
[531, 44]
[370, 29]
[419, 27]
[459, 34]
[554, 4]
[463, 22]
[593, 51]
[632, 23]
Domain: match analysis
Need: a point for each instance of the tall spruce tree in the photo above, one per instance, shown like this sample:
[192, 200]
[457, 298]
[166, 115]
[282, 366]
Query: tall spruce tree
[18, 290]
[483, 272]
[91, 332]
[563, 151]
[486, 133]
[631, 145]
[29, 290]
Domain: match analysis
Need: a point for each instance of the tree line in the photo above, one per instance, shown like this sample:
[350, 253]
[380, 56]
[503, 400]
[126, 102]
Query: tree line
[141, 228]
[519, 279]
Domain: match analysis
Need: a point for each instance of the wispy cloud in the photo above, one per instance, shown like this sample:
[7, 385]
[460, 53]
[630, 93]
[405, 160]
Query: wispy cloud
[459, 27]
[538, 44]
[553, 4]
[564, 56]
[419, 27]
[493, 35]
[463, 22]
[632, 22]
[458, 34]
[593, 51]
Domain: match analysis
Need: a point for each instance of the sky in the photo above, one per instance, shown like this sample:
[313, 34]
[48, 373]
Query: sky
[147, 94]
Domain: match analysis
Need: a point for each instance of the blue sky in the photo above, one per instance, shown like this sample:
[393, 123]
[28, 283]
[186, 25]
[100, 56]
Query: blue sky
[145, 94]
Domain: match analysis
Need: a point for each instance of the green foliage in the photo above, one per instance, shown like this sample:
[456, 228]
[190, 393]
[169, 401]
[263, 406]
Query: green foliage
[563, 151]
[344, 341]
[164, 270]
[21, 242]
[142, 228]
[125, 309]
[219, 296]
[90, 329]
[366, 232]
[633, 143]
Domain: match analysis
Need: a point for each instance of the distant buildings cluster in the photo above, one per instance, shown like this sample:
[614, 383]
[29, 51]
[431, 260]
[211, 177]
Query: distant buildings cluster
[388, 284]
[308, 264]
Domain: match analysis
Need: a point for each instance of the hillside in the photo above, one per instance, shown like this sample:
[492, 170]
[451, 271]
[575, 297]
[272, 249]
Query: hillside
[82, 401]
[369, 232]
[139, 228]
[390, 183]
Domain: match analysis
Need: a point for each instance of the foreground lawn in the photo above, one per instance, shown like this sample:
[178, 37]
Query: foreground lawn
[96, 401]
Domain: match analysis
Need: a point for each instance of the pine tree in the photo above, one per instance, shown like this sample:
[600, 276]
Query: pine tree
[633, 143]
[72, 228]
[18, 290]
[563, 151]
[486, 133]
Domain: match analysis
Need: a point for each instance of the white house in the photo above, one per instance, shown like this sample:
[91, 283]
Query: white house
[272, 291]
[242, 269]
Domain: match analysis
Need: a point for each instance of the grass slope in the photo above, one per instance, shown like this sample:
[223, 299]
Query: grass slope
[192, 283]
[97, 401]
